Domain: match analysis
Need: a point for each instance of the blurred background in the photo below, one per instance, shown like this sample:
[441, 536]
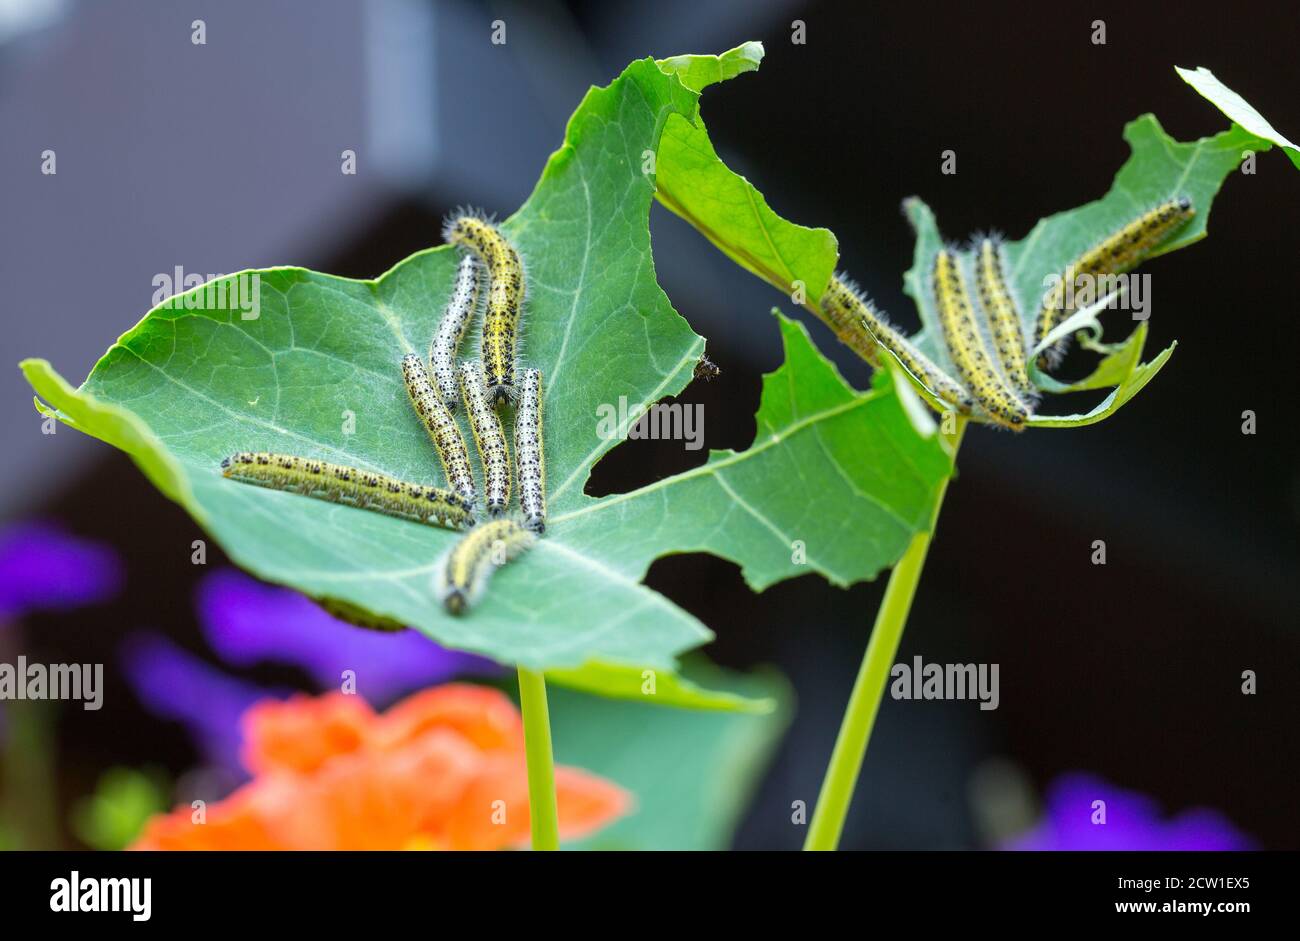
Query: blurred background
[226, 155]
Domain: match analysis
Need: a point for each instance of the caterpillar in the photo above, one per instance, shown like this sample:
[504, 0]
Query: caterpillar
[530, 457]
[1116, 253]
[505, 300]
[468, 565]
[488, 436]
[342, 484]
[1003, 313]
[451, 329]
[442, 428]
[861, 328]
[966, 347]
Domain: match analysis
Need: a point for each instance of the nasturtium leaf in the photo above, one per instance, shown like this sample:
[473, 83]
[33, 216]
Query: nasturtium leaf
[699, 72]
[695, 183]
[691, 776]
[836, 482]
[1118, 363]
[316, 373]
[658, 688]
[1239, 109]
[1158, 169]
[1133, 384]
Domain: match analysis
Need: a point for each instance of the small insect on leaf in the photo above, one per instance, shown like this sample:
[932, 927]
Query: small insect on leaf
[706, 369]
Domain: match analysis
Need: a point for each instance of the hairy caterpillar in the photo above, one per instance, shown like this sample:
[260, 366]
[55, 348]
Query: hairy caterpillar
[451, 329]
[469, 564]
[1114, 254]
[970, 356]
[857, 325]
[1003, 313]
[530, 456]
[488, 436]
[442, 428]
[505, 300]
[342, 484]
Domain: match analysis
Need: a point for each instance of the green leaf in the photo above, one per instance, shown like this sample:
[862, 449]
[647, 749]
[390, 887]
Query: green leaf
[1159, 168]
[842, 472]
[1132, 384]
[694, 183]
[656, 688]
[111, 424]
[1120, 361]
[194, 381]
[1237, 108]
[699, 72]
[692, 774]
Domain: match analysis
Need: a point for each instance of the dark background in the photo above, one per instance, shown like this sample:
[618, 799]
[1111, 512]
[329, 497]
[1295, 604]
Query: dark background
[1129, 670]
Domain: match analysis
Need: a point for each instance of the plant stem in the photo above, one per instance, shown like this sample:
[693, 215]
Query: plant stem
[869, 688]
[542, 809]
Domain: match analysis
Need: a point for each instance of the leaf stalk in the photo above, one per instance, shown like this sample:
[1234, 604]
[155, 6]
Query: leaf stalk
[841, 778]
[543, 812]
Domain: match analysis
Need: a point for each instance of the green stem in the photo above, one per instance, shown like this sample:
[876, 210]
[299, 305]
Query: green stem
[541, 764]
[869, 688]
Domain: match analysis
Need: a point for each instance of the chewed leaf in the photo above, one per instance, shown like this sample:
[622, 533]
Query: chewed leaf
[836, 482]
[1239, 109]
[1081, 320]
[315, 371]
[699, 72]
[694, 183]
[1129, 387]
[1159, 168]
[1119, 363]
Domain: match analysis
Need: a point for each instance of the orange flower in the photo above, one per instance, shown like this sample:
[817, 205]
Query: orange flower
[443, 769]
[304, 733]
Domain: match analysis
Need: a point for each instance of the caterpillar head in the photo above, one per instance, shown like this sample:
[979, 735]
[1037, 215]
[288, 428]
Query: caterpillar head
[455, 601]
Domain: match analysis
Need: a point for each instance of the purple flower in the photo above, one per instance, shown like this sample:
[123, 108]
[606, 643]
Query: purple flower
[1133, 822]
[43, 568]
[173, 684]
[247, 622]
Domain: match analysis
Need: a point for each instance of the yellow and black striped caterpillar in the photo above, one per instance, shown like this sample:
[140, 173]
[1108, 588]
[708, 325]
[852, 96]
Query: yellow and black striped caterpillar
[342, 484]
[488, 436]
[468, 565]
[530, 455]
[442, 429]
[970, 356]
[505, 300]
[451, 329]
[1115, 254]
[1003, 314]
[861, 328]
